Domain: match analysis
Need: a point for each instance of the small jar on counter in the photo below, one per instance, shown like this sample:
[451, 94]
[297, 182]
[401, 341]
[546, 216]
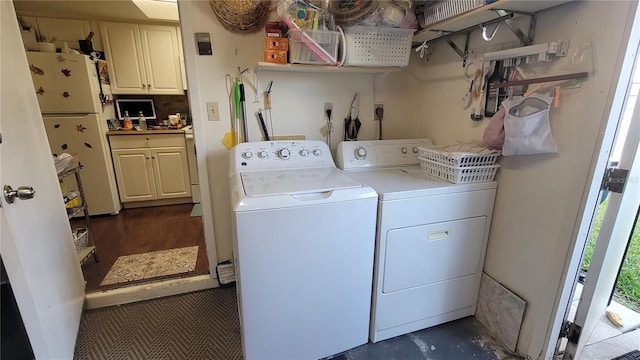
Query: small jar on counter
[142, 121]
[127, 123]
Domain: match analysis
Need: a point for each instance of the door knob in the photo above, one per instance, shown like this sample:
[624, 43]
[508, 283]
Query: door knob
[22, 193]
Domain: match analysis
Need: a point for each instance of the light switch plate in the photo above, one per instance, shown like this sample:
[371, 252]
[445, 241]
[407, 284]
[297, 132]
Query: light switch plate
[212, 111]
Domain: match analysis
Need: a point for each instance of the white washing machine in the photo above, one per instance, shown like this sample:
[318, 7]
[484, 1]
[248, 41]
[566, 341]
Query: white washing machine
[431, 237]
[303, 249]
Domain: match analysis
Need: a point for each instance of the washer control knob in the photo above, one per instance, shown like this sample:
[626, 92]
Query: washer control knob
[415, 150]
[304, 152]
[317, 152]
[404, 150]
[247, 154]
[263, 154]
[360, 153]
[284, 153]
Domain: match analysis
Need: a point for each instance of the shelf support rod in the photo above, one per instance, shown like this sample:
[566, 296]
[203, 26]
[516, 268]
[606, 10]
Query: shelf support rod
[448, 35]
[442, 35]
[533, 21]
[524, 39]
[463, 54]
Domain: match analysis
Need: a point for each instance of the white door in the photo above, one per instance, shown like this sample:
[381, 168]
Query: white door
[161, 58]
[608, 252]
[36, 244]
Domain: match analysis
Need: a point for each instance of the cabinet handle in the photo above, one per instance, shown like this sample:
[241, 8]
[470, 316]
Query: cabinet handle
[153, 157]
[144, 86]
[149, 86]
[147, 158]
[147, 138]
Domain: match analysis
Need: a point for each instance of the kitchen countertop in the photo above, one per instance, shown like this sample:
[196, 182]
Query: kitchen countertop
[145, 132]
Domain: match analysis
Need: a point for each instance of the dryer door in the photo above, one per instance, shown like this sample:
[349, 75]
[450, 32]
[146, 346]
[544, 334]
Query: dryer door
[422, 255]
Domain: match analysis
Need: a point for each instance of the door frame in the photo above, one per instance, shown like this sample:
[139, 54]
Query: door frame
[617, 225]
[199, 115]
[626, 60]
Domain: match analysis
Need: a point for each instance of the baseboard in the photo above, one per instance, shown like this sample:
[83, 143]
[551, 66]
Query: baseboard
[153, 290]
[162, 202]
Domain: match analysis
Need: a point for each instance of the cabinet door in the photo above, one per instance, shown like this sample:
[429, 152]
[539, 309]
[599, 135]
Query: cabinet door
[162, 59]
[124, 56]
[64, 30]
[181, 55]
[171, 170]
[134, 174]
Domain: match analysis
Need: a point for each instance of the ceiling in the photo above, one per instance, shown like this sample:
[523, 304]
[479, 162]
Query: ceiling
[139, 10]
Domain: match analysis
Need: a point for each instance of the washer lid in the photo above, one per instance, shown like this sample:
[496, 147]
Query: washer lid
[293, 181]
[411, 182]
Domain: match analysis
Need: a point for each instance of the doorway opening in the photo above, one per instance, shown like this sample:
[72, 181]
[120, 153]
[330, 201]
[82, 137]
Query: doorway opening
[134, 235]
[603, 320]
[622, 314]
[135, 244]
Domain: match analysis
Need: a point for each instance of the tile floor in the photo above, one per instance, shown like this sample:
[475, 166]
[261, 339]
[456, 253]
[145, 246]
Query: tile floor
[605, 330]
[606, 340]
[465, 338]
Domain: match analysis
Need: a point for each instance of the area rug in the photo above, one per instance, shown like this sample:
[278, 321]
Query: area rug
[634, 355]
[152, 264]
[197, 210]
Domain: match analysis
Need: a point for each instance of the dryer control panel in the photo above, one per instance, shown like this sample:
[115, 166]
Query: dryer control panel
[379, 153]
[285, 154]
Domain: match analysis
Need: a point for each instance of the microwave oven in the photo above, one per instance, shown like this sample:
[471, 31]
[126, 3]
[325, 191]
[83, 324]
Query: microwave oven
[134, 106]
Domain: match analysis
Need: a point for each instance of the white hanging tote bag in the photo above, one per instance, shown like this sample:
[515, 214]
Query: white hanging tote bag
[526, 126]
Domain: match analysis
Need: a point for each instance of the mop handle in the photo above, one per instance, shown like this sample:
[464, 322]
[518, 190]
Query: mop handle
[245, 133]
[263, 125]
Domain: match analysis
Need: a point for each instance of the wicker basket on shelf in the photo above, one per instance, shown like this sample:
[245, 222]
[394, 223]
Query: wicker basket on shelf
[351, 12]
[240, 15]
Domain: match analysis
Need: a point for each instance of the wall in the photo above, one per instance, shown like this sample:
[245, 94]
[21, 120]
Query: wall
[297, 100]
[539, 199]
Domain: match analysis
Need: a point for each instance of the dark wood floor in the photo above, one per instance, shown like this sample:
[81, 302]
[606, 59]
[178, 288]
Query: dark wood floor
[136, 231]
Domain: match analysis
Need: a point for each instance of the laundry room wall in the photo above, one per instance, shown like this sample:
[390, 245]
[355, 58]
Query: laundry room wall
[297, 102]
[539, 198]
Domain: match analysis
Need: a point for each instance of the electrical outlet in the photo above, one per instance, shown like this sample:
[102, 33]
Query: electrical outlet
[212, 111]
[378, 111]
[328, 106]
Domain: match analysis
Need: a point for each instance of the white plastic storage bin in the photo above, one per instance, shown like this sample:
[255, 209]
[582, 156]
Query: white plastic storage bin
[459, 175]
[457, 159]
[300, 43]
[377, 46]
[80, 238]
[446, 9]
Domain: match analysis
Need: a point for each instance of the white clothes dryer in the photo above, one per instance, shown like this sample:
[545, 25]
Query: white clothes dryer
[304, 236]
[430, 241]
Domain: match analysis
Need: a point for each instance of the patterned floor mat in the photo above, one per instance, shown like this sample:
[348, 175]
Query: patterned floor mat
[152, 264]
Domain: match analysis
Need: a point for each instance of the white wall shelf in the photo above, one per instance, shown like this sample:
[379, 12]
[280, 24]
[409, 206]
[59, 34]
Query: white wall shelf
[481, 15]
[265, 66]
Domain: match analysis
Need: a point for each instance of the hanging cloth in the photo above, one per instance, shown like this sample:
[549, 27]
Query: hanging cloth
[526, 126]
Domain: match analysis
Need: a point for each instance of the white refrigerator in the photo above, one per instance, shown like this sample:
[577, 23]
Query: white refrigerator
[69, 94]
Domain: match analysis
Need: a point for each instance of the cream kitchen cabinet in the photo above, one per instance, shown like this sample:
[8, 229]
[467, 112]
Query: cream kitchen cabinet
[151, 167]
[64, 30]
[142, 59]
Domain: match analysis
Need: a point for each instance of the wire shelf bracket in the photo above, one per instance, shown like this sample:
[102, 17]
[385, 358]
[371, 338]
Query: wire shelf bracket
[504, 16]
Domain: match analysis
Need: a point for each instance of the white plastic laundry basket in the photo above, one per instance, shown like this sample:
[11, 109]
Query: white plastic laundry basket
[377, 46]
